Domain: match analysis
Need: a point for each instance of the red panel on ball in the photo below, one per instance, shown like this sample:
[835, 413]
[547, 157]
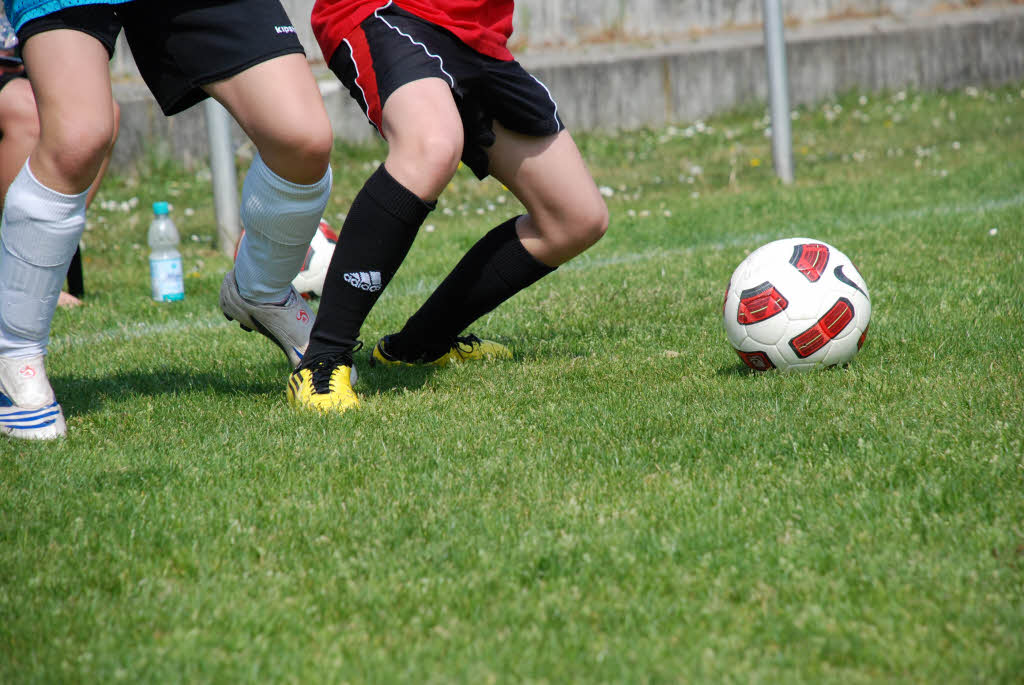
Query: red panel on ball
[758, 361]
[760, 304]
[828, 326]
[810, 260]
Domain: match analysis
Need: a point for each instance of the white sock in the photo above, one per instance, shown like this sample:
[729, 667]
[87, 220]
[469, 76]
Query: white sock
[280, 219]
[39, 233]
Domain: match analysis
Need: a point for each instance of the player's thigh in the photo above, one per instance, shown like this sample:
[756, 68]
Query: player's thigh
[403, 72]
[19, 130]
[18, 116]
[278, 104]
[71, 83]
[548, 175]
[423, 128]
[534, 156]
[246, 54]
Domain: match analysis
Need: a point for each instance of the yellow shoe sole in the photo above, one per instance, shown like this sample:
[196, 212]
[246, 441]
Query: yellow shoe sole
[468, 348]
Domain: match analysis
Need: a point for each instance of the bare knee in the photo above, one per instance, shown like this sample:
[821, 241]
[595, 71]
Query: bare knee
[591, 224]
[556, 236]
[313, 149]
[74, 151]
[425, 162]
[579, 226]
[299, 155]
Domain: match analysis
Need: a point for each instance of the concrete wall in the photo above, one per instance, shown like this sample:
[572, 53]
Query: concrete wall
[542, 25]
[626, 85]
[560, 22]
[619, 89]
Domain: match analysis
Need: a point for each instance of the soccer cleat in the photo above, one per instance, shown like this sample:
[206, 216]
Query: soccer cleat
[324, 386]
[28, 408]
[465, 348]
[288, 325]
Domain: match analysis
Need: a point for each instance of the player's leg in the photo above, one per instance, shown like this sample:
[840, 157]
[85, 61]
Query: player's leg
[424, 132]
[108, 154]
[424, 136]
[288, 183]
[283, 196]
[404, 73]
[44, 216]
[76, 278]
[278, 104]
[246, 55]
[566, 214]
[565, 211]
[71, 83]
[19, 127]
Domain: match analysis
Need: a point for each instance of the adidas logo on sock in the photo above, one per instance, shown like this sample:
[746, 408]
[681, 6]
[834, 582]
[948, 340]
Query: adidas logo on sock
[368, 281]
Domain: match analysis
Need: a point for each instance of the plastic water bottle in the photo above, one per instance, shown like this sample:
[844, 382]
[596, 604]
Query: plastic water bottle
[165, 269]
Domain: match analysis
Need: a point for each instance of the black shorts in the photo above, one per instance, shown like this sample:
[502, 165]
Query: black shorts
[181, 45]
[7, 78]
[393, 47]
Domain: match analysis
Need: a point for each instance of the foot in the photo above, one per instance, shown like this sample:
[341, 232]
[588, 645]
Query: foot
[68, 301]
[465, 348]
[324, 386]
[28, 408]
[288, 325]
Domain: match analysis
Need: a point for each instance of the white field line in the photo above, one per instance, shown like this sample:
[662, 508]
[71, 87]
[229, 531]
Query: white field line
[808, 229]
[217, 321]
[126, 332]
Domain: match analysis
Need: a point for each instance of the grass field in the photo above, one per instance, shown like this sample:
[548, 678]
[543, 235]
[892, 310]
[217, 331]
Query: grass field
[622, 502]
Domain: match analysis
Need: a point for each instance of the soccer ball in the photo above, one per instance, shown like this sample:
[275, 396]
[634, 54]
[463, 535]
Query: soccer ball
[310, 279]
[795, 305]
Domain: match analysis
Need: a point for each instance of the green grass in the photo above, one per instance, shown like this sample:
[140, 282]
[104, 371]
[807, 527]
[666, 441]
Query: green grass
[620, 503]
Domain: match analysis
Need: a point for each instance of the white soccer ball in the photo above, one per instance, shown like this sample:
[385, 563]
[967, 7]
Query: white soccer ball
[310, 279]
[795, 305]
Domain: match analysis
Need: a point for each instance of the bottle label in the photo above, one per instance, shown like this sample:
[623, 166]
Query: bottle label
[168, 279]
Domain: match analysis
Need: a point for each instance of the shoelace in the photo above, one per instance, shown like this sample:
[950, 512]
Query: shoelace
[323, 369]
[466, 343]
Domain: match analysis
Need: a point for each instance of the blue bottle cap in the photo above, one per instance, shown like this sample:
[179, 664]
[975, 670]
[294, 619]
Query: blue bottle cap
[160, 208]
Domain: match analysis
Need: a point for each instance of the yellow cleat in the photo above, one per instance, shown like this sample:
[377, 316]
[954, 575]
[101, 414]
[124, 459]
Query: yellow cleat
[326, 387]
[465, 348]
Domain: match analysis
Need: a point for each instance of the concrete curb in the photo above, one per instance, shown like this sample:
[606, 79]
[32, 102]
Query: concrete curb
[624, 87]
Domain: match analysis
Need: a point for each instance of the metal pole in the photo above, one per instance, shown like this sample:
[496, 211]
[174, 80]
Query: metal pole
[224, 176]
[778, 81]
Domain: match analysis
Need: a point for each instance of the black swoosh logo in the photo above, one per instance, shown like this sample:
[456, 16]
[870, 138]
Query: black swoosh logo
[843, 278]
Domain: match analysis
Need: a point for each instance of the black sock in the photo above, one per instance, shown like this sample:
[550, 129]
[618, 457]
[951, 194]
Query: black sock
[376, 236]
[495, 268]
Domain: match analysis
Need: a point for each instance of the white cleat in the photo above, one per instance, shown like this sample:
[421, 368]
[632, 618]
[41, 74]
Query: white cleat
[288, 325]
[28, 408]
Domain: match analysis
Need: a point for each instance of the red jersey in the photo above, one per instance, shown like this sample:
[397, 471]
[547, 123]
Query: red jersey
[484, 25]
